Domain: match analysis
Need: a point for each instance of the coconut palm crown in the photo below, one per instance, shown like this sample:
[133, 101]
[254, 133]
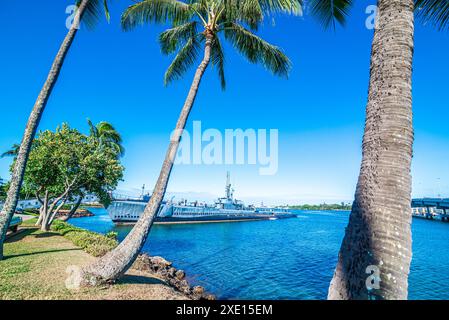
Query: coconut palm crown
[199, 21]
[107, 136]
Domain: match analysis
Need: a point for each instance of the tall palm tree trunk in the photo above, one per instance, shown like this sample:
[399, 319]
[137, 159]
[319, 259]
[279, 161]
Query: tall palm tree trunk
[374, 259]
[31, 127]
[115, 263]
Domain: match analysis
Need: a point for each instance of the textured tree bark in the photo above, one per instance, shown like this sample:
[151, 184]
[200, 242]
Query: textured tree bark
[73, 210]
[48, 213]
[54, 213]
[374, 258]
[42, 209]
[115, 263]
[31, 127]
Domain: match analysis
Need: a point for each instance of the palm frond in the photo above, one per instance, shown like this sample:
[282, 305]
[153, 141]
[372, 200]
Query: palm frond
[252, 12]
[249, 12]
[14, 151]
[258, 50]
[171, 39]
[294, 7]
[218, 60]
[106, 10]
[435, 12]
[201, 8]
[94, 10]
[183, 61]
[328, 12]
[92, 129]
[107, 130]
[157, 11]
[106, 135]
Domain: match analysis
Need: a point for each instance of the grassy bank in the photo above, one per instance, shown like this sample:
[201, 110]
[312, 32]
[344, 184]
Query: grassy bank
[93, 243]
[35, 264]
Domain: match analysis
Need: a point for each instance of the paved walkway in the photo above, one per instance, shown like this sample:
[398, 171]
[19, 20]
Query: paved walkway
[24, 217]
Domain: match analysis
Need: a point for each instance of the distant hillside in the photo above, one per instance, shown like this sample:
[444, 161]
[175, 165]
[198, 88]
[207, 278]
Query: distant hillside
[323, 206]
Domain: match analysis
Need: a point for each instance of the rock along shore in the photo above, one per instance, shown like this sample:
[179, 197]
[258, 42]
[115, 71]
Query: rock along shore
[80, 213]
[164, 270]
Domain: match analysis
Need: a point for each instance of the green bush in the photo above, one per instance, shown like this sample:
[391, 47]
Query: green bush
[93, 243]
[111, 235]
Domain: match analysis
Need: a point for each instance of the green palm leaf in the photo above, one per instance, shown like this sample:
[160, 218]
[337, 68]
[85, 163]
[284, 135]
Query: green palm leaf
[258, 50]
[435, 12]
[13, 152]
[171, 39]
[293, 7]
[158, 11]
[94, 10]
[106, 135]
[92, 129]
[251, 12]
[185, 58]
[218, 60]
[328, 12]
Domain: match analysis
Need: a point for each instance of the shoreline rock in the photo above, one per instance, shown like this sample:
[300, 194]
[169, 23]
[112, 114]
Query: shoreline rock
[80, 213]
[175, 278]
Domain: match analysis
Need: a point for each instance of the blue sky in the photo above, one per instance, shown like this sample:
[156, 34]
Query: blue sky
[319, 111]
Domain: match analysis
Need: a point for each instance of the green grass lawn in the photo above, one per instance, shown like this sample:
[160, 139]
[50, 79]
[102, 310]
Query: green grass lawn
[35, 264]
[29, 223]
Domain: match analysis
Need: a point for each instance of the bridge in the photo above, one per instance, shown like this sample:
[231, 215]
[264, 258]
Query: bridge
[437, 203]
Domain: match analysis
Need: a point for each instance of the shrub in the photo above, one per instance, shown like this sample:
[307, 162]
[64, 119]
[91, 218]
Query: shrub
[93, 243]
[111, 235]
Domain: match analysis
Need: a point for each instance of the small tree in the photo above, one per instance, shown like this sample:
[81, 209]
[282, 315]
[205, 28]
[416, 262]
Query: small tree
[65, 165]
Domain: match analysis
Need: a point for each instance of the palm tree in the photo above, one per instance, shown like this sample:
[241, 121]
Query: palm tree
[214, 18]
[374, 258]
[87, 12]
[197, 25]
[107, 136]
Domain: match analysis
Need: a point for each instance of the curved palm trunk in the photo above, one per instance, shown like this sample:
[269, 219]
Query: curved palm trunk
[375, 255]
[115, 263]
[31, 127]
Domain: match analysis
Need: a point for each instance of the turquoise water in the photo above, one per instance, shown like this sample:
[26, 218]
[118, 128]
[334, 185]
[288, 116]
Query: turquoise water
[281, 259]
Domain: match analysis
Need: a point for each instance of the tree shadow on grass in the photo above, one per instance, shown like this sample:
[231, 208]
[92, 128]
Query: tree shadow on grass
[46, 235]
[22, 233]
[34, 232]
[40, 252]
[136, 279]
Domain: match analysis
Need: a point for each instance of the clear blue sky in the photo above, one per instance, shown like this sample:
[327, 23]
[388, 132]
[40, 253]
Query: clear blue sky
[118, 77]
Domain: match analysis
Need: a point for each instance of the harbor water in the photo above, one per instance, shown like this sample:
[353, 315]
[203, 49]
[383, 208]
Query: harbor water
[280, 259]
